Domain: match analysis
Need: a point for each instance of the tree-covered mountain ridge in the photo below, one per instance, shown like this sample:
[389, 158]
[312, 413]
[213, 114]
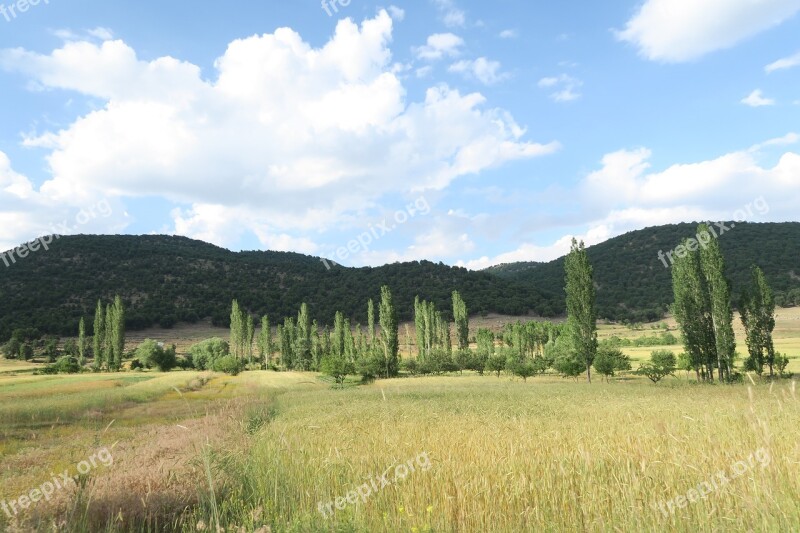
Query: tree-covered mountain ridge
[167, 279]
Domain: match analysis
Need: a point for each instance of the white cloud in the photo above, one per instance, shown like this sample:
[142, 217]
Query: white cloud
[484, 70]
[509, 34]
[440, 45]
[757, 99]
[566, 88]
[452, 16]
[682, 30]
[397, 13]
[625, 195]
[785, 63]
[103, 34]
[285, 138]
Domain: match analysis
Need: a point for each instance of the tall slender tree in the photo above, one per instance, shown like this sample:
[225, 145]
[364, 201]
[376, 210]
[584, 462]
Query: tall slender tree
[758, 317]
[389, 335]
[99, 336]
[692, 310]
[370, 323]
[108, 342]
[81, 343]
[250, 329]
[713, 266]
[581, 311]
[461, 318]
[118, 333]
[419, 326]
[265, 343]
[237, 330]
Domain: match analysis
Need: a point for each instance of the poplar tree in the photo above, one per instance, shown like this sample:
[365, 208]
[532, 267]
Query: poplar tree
[461, 318]
[236, 330]
[265, 343]
[419, 326]
[118, 333]
[389, 337]
[303, 340]
[370, 323]
[99, 336]
[249, 332]
[758, 317]
[581, 312]
[720, 294]
[81, 343]
[108, 341]
[692, 310]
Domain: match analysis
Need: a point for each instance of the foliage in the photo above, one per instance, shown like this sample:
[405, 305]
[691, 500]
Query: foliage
[662, 363]
[205, 353]
[337, 367]
[152, 354]
[610, 360]
[581, 312]
[228, 364]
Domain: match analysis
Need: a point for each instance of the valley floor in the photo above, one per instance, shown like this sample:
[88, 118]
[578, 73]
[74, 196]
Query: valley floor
[267, 451]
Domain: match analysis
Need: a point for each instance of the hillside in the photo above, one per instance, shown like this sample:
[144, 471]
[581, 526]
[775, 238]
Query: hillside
[633, 283]
[165, 279]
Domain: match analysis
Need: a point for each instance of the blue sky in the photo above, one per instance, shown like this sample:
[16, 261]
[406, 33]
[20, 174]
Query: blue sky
[497, 130]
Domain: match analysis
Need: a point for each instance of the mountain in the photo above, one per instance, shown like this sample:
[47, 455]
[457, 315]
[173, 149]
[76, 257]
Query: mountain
[634, 283]
[164, 279]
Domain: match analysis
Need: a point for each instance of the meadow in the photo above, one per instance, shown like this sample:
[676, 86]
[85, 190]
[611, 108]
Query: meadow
[266, 451]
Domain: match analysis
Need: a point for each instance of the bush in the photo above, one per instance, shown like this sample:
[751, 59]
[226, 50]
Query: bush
[410, 366]
[569, 366]
[203, 354]
[65, 365]
[153, 355]
[228, 364]
[337, 367]
[609, 360]
[496, 364]
[662, 364]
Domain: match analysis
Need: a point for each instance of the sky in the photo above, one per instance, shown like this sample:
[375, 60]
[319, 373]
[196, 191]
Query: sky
[471, 133]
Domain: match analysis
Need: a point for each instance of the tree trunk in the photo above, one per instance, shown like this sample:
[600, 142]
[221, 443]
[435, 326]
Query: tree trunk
[589, 372]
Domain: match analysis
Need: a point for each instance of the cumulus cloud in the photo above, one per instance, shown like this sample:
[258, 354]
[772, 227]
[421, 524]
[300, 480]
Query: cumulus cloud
[625, 194]
[440, 45]
[486, 71]
[757, 99]
[682, 30]
[283, 138]
[509, 34]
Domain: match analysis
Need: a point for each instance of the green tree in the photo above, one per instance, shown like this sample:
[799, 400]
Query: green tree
[81, 343]
[719, 290]
[99, 336]
[265, 348]
[758, 317]
[153, 355]
[389, 335]
[117, 328]
[610, 360]
[205, 353]
[662, 363]
[581, 313]
[108, 342]
[461, 318]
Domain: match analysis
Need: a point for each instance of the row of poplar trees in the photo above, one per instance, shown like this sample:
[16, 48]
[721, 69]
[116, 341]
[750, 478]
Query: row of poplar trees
[304, 345]
[704, 312]
[108, 341]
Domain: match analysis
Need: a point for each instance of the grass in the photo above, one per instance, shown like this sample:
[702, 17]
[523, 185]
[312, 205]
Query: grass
[510, 456]
[194, 449]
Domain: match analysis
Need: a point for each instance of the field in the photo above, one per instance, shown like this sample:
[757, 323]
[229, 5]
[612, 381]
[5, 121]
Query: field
[267, 451]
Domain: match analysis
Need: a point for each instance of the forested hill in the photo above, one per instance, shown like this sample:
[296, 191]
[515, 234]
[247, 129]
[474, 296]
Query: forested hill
[163, 280]
[633, 283]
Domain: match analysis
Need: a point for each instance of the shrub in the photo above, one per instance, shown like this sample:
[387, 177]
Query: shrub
[228, 364]
[153, 355]
[410, 366]
[496, 364]
[662, 364]
[64, 365]
[203, 354]
[609, 360]
[337, 367]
